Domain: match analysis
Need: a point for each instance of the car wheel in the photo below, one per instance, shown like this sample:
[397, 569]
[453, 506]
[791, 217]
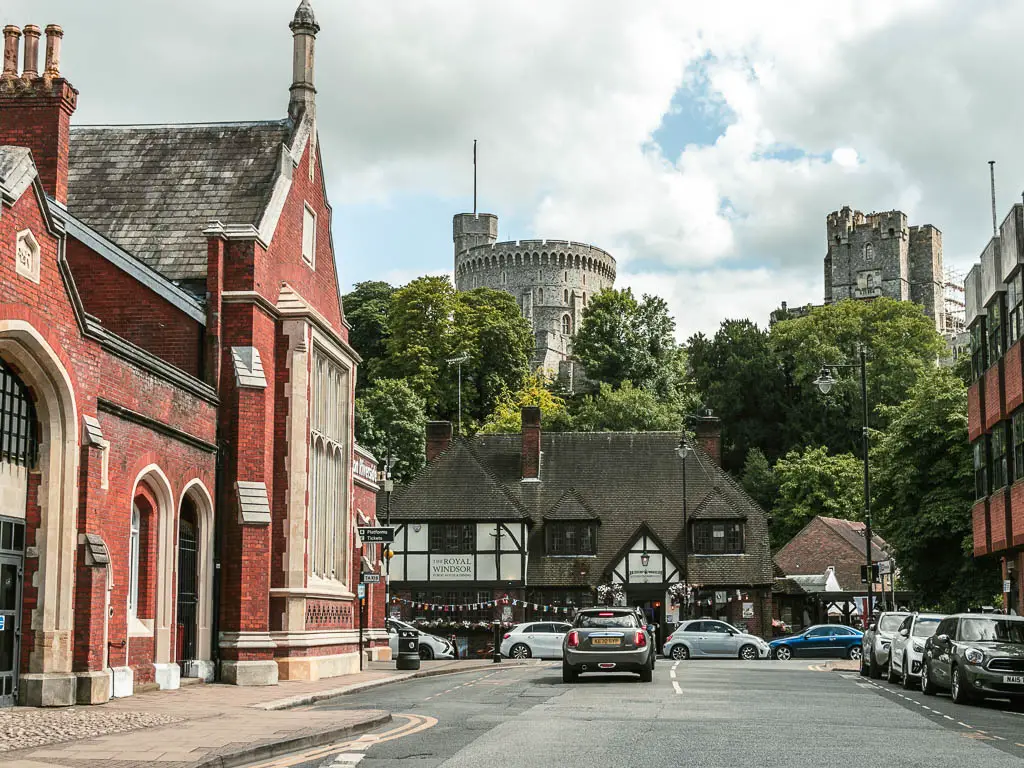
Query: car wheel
[854, 654]
[927, 686]
[680, 652]
[958, 687]
[783, 653]
[748, 653]
[520, 651]
[569, 675]
[890, 674]
[908, 681]
[426, 652]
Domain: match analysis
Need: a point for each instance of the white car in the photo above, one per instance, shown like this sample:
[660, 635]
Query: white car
[711, 638]
[908, 647]
[535, 639]
[431, 646]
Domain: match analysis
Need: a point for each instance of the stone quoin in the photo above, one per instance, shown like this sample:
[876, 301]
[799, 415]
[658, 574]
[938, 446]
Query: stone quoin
[179, 484]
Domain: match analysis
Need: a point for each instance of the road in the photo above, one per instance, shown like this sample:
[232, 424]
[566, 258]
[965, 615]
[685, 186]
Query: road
[696, 713]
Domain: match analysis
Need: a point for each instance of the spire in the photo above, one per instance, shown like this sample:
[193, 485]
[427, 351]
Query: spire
[304, 29]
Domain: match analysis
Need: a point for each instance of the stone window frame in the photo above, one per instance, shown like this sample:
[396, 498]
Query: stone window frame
[998, 456]
[567, 324]
[309, 225]
[979, 451]
[869, 252]
[134, 547]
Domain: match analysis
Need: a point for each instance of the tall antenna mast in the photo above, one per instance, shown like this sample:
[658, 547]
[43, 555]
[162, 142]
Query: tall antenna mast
[474, 179]
[992, 176]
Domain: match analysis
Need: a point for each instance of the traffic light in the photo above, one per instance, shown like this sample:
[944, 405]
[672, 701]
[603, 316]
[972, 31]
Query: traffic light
[875, 578]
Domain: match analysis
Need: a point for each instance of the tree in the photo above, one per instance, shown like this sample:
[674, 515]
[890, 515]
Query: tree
[507, 414]
[738, 375]
[628, 409]
[390, 415]
[924, 485]
[759, 480]
[811, 483]
[621, 339]
[366, 310]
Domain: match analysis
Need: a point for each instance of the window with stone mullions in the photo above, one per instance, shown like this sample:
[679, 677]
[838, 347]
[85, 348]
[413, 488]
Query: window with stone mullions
[996, 328]
[998, 439]
[1014, 307]
[328, 551]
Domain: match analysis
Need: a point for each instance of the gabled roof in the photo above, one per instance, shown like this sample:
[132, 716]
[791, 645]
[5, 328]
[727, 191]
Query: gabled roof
[152, 189]
[852, 532]
[714, 506]
[571, 507]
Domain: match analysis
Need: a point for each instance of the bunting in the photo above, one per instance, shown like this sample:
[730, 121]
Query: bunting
[455, 608]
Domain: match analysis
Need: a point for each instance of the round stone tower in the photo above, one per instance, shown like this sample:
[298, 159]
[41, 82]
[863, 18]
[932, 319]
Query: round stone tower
[551, 280]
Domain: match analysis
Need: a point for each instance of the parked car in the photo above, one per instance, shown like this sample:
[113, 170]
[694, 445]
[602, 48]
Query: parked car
[710, 638]
[431, 646]
[608, 640]
[908, 645]
[975, 656]
[820, 641]
[540, 639]
[877, 641]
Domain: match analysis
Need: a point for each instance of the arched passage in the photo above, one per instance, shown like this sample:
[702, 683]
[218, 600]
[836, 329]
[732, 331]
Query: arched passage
[196, 511]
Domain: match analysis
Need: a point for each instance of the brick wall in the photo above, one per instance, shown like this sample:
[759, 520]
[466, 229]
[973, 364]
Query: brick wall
[816, 548]
[982, 535]
[1017, 513]
[994, 410]
[1013, 381]
[975, 410]
[997, 520]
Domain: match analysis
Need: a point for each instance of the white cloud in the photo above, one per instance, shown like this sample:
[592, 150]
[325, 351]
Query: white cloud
[845, 156]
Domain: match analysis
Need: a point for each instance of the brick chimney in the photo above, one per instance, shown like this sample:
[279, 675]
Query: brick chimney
[531, 443]
[709, 436]
[439, 437]
[304, 29]
[35, 110]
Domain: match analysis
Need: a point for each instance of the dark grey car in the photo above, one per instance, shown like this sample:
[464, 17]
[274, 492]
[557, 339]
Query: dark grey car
[608, 640]
[975, 656]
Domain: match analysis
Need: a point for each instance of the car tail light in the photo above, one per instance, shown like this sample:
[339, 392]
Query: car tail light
[574, 639]
[507, 635]
[668, 639]
[641, 639]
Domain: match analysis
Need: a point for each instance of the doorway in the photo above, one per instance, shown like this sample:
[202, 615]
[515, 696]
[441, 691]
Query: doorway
[188, 590]
[653, 607]
[12, 562]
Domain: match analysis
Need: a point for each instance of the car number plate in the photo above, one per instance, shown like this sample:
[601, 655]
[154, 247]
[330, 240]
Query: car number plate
[606, 641]
[1018, 679]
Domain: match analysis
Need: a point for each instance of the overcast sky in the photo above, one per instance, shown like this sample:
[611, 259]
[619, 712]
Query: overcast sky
[701, 143]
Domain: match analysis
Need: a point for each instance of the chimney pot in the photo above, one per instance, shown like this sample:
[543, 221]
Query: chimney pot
[30, 63]
[11, 36]
[531, 442]
[54, 34]
[439, 437]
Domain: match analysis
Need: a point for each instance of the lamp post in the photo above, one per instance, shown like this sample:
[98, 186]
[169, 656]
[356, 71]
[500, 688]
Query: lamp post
[459, 361]
[825, 382]
[682, 451]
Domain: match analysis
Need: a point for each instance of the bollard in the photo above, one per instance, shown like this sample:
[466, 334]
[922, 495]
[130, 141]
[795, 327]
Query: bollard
[408, 649]
[496, 657]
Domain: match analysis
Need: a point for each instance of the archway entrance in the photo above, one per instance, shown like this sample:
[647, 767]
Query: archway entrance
[188, 589]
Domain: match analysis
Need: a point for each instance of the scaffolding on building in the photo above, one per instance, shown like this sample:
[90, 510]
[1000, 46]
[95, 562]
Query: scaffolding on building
[954, 315]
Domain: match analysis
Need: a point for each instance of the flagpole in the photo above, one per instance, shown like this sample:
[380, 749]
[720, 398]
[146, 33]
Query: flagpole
[474, 177]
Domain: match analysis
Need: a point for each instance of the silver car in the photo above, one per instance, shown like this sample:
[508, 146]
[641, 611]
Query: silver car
[908, 646]
[877, 642]
[713, 639]
[608, 640]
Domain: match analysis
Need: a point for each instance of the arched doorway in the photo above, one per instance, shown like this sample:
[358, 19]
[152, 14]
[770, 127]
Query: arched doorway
[18, 454]
[188, 588]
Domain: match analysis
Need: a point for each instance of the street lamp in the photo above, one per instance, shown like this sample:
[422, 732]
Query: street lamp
[825, 382]
[682, 451]
[459, 361]
[389, 485]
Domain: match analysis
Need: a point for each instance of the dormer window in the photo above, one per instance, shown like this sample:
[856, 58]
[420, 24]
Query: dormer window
[570, 538]
[309, 237]
[717, 538]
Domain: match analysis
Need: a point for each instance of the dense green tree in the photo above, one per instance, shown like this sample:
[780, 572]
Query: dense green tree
[759, 480]
[811, 483]
[507, 414]
[390, 416]
[629, 409]
[739, 377]
[621, 339]
[366, 310]
[923, 490]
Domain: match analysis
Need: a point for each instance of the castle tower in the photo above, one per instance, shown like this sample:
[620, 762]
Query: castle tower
[472, 229]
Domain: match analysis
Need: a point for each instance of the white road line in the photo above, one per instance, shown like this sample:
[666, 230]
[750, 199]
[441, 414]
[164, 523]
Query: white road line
[675, 665]
[348, 758]
[676, 686]
[672, 674]
[947, 717]
[965, 725]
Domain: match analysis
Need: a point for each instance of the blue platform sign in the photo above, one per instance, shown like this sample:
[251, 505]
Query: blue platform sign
[3, 622]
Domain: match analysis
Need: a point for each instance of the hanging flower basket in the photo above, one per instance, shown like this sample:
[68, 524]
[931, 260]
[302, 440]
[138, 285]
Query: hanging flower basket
[678, 591]
[608, 594]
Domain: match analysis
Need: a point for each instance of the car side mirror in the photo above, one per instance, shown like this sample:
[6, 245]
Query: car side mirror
[651, 628]
[905, 632]
[941, 638]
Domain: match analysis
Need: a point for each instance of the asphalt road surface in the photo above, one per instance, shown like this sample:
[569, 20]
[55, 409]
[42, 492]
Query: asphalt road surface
[732, 714]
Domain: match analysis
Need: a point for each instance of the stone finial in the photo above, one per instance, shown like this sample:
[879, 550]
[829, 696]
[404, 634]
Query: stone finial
[54, 34]
[30, 63]
[302, 92]
[304, 19]
[11, 36]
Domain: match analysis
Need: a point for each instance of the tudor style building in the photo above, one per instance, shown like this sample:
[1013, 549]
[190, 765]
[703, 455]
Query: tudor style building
[528, 526]
[176, 450]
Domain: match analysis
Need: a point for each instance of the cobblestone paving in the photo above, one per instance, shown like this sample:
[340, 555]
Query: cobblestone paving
[28, 727]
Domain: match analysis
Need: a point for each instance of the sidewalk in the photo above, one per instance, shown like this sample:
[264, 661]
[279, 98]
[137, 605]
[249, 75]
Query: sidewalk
[200, 725]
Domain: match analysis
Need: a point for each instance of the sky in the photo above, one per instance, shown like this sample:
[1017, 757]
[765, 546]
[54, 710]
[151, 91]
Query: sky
[701, 143]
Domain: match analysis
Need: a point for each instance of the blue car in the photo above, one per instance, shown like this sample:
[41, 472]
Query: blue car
[819, 641]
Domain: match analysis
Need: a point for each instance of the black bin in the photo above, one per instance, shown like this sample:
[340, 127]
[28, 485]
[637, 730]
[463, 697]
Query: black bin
[408, 649]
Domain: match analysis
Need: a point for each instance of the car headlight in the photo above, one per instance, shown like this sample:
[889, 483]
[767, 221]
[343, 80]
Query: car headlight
[918, 646]
[974, 656]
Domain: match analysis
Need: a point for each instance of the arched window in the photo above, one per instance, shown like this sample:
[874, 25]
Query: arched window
[502, 278]
[566, 295]
[567, 325]
[869, 252]
[566, 277]
[133, 561]
[584, 278]
[328, 540]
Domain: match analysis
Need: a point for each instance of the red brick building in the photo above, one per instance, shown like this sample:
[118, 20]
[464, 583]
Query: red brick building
[179, 485]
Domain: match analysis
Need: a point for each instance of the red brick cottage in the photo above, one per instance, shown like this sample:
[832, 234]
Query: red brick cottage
[177, 494]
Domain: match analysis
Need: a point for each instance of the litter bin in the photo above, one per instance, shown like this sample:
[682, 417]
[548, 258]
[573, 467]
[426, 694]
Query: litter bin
[408, 649]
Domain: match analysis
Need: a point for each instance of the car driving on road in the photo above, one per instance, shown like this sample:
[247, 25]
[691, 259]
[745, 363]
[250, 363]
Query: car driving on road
[431, 646]
[715, 639]
[877, 642]
[975, 656]
[538, 639]
[608, 640]
[908, 645]
[820, 641]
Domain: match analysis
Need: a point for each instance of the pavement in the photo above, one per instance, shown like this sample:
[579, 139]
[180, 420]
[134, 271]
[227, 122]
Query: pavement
[700, 714]
[200, 726]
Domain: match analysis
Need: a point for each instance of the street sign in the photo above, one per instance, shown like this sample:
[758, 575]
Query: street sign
[885, 568]
[1006, 588]
[362, 591]
[377, 535]
[370, 578]
[864, 574]
[3, 621]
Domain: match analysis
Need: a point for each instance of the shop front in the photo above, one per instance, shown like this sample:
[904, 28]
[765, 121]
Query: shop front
[645, 572]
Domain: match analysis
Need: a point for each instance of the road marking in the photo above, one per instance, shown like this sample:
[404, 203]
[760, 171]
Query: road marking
[672, 672]
[675, 665]
[348, 758]
[965, 725]
[945, 716]
[676, 686]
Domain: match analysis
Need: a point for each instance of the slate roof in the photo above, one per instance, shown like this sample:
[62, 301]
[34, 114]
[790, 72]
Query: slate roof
[152, 189]
[853, 533]
[625, 478]
[570, 507]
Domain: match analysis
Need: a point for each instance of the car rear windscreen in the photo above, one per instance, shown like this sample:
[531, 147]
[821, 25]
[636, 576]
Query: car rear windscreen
[604, 620]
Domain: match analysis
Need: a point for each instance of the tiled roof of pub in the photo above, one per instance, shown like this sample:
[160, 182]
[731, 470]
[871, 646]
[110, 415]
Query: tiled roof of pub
[852, 532]
[152, 189]
[570, 507]
[625, 478]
